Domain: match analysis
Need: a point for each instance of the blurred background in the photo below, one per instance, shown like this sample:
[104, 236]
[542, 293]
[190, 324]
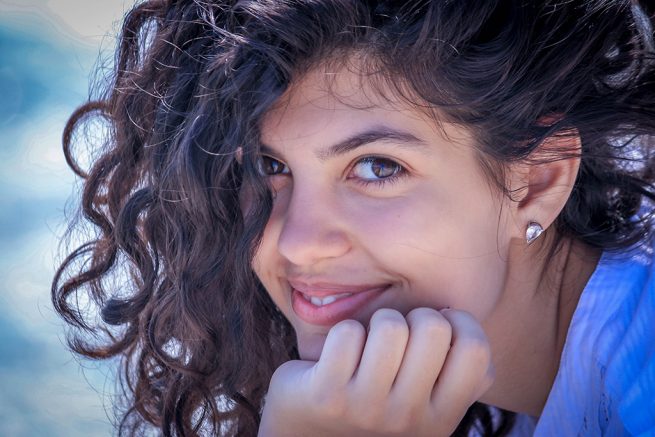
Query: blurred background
[48, 50]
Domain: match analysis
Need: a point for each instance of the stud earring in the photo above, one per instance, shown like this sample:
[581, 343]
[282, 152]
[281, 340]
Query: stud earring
[533, 232]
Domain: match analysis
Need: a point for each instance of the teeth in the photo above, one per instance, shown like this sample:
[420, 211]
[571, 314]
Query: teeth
[326, 300]
[329, 299]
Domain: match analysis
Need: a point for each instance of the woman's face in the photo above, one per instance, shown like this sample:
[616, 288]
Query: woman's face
[373, 208]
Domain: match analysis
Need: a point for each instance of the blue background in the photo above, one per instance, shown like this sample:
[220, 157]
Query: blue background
[48, 50]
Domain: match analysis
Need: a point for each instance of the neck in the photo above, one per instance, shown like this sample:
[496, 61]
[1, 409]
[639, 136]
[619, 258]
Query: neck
[528, 329]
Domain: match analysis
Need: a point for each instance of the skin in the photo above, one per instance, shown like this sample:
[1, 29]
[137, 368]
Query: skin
[440, 236]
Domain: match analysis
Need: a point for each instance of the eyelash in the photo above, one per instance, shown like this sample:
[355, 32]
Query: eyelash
[398, 173]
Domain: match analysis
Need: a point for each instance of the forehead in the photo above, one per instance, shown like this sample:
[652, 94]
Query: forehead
[332, 99]
[347, 83]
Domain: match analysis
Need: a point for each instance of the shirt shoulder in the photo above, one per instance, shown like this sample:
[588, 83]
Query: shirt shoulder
[606, 381]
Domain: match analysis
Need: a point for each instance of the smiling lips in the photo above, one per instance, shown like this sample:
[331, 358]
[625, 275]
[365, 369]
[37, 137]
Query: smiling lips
[327, 304]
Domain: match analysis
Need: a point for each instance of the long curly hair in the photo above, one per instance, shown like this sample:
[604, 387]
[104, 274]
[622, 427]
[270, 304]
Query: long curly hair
[165, 282]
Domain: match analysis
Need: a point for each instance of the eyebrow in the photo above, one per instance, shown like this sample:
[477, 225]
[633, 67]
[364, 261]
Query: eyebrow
[371, 135]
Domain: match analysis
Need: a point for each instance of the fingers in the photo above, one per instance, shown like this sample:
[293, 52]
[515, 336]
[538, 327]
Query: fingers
[341, 352]
[413, 375]
[467, 371]
[427, 348]
[383, 354]
[402, 357]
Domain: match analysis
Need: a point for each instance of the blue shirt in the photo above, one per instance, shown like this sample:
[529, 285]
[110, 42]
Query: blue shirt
[605, 385]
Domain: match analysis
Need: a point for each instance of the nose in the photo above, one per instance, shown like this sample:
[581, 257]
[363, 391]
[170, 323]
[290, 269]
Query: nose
[313, 228]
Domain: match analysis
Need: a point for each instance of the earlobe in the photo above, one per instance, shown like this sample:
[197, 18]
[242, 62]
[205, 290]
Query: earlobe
[547, 179]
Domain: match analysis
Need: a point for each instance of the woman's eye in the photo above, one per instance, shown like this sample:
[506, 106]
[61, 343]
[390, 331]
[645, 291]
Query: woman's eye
[270, 166]
[374, 168]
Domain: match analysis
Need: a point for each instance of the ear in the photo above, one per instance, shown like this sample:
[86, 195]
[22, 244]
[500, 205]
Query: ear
[542, 183]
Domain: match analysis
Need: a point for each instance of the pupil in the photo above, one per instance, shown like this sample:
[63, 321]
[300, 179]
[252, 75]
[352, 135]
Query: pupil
[383, 168]
[271, 166]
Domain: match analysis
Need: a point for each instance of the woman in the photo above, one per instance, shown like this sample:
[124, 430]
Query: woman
[389, 218]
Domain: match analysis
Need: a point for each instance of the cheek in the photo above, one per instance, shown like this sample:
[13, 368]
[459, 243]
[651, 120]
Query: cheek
[447, 253]
[265, 262]
[474, 284]
[269, 265]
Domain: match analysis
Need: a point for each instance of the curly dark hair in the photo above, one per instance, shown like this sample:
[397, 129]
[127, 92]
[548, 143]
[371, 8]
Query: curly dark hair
[169, 266]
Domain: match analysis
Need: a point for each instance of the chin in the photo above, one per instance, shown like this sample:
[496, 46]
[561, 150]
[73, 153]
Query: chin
[310, 346]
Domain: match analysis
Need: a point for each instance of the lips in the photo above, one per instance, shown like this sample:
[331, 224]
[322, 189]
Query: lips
[327, 304]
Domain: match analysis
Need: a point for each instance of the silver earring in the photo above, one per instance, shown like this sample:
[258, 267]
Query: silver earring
[533, 232]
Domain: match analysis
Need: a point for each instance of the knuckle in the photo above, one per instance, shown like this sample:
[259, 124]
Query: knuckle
[420, 312]
[465, 316]
[477, 350]
[389, 322]
[349, 329]
[461, 317]
[386, 314]
[430, 321]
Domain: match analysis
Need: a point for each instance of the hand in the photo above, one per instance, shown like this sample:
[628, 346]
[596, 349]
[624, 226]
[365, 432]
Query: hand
[403, 378]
